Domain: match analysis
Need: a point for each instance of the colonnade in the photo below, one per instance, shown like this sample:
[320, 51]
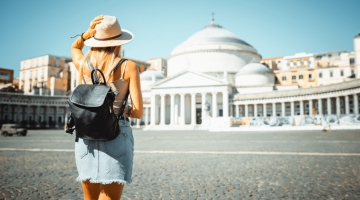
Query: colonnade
[178, 105]
[41, 115]
[345, 104]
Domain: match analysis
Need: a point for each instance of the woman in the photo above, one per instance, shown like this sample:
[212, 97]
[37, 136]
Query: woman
[104, 167]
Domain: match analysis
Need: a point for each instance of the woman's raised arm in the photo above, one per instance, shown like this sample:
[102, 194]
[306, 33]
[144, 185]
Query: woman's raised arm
[76, 48]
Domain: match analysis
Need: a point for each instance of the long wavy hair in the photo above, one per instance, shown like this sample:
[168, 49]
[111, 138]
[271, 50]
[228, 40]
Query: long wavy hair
[102, 58]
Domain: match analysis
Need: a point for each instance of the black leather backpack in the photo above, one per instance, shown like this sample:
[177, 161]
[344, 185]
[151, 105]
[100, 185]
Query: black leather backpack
[92, 109]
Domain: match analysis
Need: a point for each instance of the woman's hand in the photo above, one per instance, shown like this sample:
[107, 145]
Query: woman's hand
[91, 31]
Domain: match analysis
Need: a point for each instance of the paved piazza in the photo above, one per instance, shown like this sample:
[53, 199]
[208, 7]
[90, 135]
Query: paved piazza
[195, 165]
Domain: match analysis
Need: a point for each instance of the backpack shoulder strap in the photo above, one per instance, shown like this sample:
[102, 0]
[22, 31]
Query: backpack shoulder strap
[94, 75]
[119, 64]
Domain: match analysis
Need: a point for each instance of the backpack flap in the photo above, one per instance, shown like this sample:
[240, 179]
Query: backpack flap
[89, 95]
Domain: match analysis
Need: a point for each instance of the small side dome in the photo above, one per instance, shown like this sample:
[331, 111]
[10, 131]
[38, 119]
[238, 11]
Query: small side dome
[255, 74]
[149, 74]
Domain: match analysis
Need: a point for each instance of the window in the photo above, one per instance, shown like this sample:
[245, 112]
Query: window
[342, 73]
[300, 76]
[310, 76]
[331, 74]
[293, 78]
[36, 74]
[4, 76]
[352, 72]
[30, 87]
[30, 74]
[58, 62]
[42, 73]
[352, 61]
[320, 75]
[284, 78]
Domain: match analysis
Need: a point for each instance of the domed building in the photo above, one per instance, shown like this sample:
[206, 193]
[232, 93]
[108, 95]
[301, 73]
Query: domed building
[214, 80]
[200, 79]
[254, 75]
[212, 50]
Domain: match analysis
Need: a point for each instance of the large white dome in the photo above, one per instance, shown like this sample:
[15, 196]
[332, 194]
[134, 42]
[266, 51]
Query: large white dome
[255, 74]
[213, 49]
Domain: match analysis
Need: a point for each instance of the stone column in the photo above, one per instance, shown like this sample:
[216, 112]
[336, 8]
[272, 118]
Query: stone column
[162, 112]
[292, 107]
[28, 113]
[193, 109]
[47, 113]
[264, 110]
[283, 109]
[153, 110]
[237, 113]
[182, 108]
[18, 109]
[274, 109]
[319, 107]
[38, 122]
[310, 107]
[172, 109]
[56, 116]
[347, 107]
[138, 123]
[255, 110]
[356, 103]
[203, 100]
[214, 104]
[328, 106]
[246, 110]
[225, 104]
[9, 113]
[338, 108]
[146, 116]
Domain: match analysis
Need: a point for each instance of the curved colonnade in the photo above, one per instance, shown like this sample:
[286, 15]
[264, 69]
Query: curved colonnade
[32, 110]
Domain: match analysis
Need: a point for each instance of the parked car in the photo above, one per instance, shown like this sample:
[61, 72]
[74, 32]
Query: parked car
[12, 129]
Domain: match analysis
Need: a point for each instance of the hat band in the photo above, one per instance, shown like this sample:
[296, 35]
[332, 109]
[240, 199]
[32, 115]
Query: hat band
[102, 39]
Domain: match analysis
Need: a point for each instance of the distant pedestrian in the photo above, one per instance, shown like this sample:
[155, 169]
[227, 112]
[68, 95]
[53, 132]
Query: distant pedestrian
[105, 166]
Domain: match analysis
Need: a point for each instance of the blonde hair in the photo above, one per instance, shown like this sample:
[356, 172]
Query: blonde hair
[101, 58]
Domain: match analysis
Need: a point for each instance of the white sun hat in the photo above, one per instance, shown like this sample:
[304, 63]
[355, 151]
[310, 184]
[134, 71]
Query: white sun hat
[109, 33]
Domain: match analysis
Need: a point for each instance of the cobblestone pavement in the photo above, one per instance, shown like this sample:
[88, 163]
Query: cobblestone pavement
[51, 175]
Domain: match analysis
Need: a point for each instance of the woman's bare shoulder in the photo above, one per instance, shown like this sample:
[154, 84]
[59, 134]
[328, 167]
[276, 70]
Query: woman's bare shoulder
[131, 65]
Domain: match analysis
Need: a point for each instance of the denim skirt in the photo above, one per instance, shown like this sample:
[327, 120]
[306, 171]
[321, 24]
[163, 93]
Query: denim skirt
[106, 162]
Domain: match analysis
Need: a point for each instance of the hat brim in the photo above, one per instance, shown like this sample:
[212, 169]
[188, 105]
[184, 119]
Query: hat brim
[125, 37]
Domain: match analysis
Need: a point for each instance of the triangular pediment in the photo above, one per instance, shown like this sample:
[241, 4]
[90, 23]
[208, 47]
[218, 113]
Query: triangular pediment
[189, 79]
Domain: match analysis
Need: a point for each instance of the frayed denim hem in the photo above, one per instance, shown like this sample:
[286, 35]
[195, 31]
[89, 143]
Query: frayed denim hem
[104, 182]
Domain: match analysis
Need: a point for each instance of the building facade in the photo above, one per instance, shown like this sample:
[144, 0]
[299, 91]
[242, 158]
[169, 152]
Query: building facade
[6, 76]
[45, 75]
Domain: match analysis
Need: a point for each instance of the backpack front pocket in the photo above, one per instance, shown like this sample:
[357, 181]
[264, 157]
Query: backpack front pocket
[116, 147]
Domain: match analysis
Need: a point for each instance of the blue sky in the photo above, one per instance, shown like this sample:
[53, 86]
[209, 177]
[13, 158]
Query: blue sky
[273, 27]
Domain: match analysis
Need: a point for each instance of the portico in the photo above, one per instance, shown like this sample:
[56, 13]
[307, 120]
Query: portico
[179, 100]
